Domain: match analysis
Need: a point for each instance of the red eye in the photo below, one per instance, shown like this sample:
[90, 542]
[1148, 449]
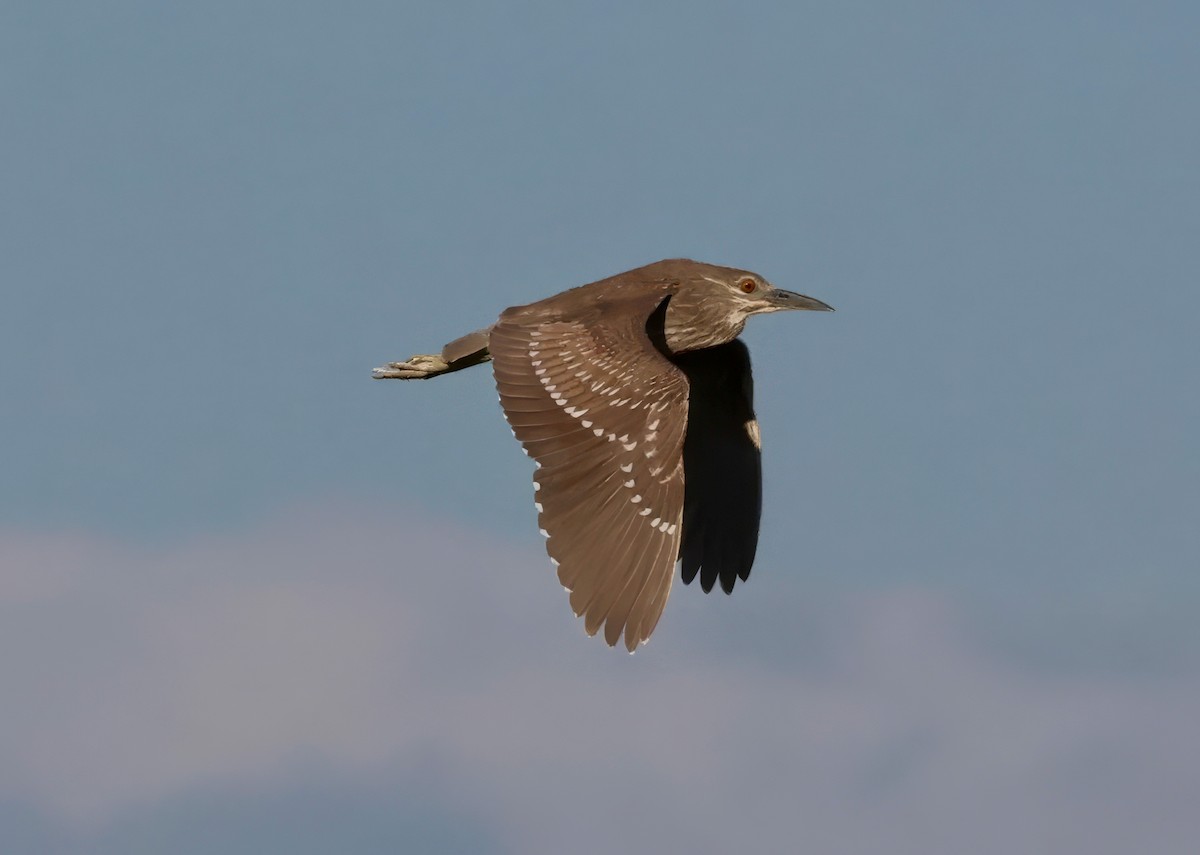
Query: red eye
[748, 286]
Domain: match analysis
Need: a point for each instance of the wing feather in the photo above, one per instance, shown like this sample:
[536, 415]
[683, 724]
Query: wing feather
[581, 396]
[722, 462]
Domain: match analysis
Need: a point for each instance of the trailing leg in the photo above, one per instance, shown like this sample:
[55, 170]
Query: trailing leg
[471, 349]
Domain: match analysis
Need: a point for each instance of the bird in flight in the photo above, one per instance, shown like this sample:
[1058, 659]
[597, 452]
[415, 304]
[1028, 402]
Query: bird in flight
[633, 396]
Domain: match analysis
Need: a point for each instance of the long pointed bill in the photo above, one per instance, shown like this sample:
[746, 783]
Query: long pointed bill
[780, 299]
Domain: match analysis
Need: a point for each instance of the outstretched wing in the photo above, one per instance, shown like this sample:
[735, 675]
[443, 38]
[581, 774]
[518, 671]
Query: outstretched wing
[722, 467]
[603, 413]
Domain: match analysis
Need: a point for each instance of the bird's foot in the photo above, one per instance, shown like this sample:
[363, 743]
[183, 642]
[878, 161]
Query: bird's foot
[419, 367]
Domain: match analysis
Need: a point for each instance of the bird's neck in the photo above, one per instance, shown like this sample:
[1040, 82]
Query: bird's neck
[701, 325]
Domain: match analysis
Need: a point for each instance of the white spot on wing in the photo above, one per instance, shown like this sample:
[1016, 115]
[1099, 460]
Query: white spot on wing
[752, 432]
[629, 483]
[626, 467]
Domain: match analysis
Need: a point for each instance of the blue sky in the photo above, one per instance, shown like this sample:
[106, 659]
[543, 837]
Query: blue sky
[982, 492]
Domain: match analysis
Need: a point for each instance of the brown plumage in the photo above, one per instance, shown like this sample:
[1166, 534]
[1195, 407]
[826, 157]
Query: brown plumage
[634, 398]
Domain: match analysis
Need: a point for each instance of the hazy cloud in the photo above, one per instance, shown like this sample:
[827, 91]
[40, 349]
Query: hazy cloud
[389, 650]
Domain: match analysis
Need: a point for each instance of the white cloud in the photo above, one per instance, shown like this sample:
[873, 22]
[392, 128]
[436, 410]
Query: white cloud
[377, 642]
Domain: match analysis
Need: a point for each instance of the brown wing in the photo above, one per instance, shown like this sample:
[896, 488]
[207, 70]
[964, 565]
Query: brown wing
[603, 414]
[722, 467]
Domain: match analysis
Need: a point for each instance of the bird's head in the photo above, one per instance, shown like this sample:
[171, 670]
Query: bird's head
[711, 303]
[750, 294]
